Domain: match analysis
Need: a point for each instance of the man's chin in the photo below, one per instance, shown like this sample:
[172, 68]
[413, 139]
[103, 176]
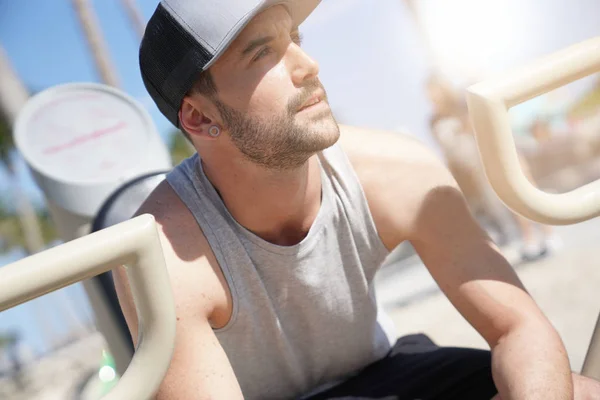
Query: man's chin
[323, 123]
[325, 134]
[329, 128]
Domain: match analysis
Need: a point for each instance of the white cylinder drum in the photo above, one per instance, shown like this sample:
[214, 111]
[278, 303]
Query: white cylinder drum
[84, 140]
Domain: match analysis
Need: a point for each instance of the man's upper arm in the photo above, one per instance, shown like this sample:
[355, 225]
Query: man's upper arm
[199, 368]
[413, 197]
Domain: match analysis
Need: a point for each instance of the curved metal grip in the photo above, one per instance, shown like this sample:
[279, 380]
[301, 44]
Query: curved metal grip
[489, 102]
[134, 243]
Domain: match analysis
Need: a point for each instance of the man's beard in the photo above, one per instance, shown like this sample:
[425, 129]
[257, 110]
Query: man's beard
[279, 142]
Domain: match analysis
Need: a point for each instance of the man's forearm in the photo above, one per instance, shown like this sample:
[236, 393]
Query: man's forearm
[531, 363]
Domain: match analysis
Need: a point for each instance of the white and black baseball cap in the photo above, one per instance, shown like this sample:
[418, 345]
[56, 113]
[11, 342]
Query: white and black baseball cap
[185, 37]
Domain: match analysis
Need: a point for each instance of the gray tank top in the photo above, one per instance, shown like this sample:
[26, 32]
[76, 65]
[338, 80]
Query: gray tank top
[305, 316]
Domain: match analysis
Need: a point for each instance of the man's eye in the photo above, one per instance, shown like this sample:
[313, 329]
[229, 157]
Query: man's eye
[262, 53]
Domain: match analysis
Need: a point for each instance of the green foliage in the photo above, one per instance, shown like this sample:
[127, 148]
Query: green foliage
[588, 105]
[49, 232]
[11, 231]
[8, 339]
[6, 141]
[179, 147]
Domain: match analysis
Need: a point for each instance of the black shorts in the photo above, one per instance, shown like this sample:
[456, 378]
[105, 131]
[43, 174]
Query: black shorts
[418, 369]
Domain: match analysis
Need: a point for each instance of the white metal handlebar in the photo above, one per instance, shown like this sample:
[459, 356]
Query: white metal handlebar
[489, 102]
[135, 244]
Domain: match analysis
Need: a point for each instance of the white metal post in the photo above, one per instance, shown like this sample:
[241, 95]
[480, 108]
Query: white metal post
[135, 244]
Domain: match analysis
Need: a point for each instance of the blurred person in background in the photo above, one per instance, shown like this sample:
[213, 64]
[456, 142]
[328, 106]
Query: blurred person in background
[560, 159]
[451, 128]
[540, 131]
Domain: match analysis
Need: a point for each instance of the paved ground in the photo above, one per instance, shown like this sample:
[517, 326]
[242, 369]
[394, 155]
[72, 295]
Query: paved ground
[59, 375]
[565, 285]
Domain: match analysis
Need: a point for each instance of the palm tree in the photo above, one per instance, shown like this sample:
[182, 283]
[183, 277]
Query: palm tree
[179, 147]
[11, 230]
[135, 17]
[6, 140]
[413, 9]
[24, 226]
[8, 345]
[13, 96]
[93, 35]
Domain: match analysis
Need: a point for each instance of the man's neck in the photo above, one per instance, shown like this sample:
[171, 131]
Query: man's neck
[278, 206]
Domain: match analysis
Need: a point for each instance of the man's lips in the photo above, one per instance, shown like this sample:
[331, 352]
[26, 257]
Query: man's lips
[316, 98]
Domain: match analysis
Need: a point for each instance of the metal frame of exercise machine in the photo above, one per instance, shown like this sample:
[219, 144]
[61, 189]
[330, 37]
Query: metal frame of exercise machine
[134, 244]
[489, 103]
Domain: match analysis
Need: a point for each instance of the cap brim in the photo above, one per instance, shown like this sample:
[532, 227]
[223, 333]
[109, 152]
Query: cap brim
[299, 10]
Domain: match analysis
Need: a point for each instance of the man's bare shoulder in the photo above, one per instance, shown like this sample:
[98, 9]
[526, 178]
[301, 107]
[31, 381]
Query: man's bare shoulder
[378, 156]
[182, 239]
[202, 302]
[382, 145]
[184, 244]
[166, 206]
[197, 281]
[397, 173]
[176, 223]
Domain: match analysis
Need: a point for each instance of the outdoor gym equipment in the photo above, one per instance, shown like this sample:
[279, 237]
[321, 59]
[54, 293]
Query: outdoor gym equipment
[135, 244]
[119, 207]
[489, 103]
[82, 141]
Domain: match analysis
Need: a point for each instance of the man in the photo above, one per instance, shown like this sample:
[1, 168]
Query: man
[273, 232]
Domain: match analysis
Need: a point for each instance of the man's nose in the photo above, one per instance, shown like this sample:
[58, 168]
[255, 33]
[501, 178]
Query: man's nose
[302, 66]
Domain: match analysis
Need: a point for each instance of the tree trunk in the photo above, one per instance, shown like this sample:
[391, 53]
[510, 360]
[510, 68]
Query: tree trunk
[93, 35]
[135, 17]
[13, 96]
[411, 6]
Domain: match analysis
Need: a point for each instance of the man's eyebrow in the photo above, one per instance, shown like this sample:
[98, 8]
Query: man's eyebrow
[257, 43]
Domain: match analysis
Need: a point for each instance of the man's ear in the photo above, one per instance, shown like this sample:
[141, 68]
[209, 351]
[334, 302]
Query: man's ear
[196, 118]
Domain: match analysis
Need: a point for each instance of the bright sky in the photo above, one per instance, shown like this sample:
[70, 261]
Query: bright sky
[371, 58]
